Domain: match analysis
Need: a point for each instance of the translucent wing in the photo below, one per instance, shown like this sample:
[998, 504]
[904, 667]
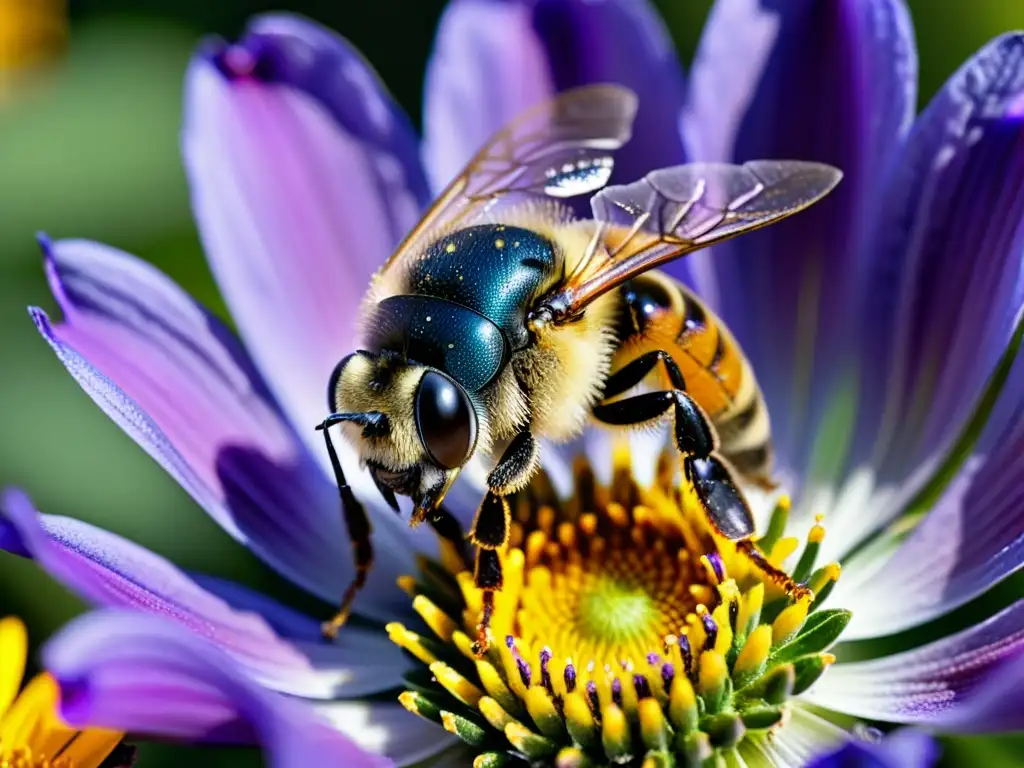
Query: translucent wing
[560, 148]
[675, 211]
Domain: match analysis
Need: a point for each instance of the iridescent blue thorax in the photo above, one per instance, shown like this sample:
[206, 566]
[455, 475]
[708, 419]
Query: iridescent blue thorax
[465, 312]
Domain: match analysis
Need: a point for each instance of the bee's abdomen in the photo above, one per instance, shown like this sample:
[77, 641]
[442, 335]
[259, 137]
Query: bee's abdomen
[660, 312]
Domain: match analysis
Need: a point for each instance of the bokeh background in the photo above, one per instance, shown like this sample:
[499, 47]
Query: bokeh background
[89, 148]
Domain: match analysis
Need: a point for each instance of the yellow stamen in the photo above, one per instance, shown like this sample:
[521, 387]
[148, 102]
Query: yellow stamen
[789, 621]
[495, 714]
[615, 736]
[579, 720]
[542, 709]
[712, 676]
[410, 641]
[750, 609]
[653, 728]
[682, 708]
[456, 684]
[755, 652]
[436, 619]
[829, 574]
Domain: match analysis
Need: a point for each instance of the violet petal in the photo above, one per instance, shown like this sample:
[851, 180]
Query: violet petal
[930, 683]
[971, 539]
[830, 82]
[177, 381]
[146, 675]
[277, 646]
[943, 277]
[903, 748]
[303, 181]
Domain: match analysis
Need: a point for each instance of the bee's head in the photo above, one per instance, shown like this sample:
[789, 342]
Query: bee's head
[414, 426]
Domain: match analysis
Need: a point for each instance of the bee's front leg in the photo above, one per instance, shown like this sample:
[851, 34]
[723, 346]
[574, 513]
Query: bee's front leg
[359, 530]
[491, 526]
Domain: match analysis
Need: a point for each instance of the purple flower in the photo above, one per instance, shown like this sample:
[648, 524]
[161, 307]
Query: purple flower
[903, 748]
[883, 325]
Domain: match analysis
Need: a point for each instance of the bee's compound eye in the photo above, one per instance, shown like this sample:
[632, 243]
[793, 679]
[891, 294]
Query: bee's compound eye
[445, 419]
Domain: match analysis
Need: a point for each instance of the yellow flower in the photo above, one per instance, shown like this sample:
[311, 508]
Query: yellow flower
[31, 732]
[626, 632]
[32, 33]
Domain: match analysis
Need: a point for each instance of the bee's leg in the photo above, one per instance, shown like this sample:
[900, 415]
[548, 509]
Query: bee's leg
[706, 472]
[492, 524]
[634, 372]
[359, 530]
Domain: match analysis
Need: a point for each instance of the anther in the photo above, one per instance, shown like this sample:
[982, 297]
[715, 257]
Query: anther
[643, 688]
[569, 675]
[617, 691]
[668, 673]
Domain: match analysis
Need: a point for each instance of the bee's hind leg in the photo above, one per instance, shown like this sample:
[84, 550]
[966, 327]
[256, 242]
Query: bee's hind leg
[359, 530]
[492, 526]
[703, 469]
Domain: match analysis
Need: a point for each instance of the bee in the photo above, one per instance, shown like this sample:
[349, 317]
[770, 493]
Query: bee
[502, 320]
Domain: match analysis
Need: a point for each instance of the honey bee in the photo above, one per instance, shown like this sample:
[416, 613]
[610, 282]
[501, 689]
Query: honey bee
[501, 319]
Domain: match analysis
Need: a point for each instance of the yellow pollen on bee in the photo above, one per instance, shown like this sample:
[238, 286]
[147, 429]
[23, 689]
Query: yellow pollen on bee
[450, 248]
[499, 243]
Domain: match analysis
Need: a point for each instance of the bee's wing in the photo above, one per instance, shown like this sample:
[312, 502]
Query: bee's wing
[559, 148]
[675, 211]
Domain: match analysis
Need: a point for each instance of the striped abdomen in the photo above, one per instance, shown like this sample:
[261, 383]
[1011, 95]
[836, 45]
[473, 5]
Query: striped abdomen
[661, 313]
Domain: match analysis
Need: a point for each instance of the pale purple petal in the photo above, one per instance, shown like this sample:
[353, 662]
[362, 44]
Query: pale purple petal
[487, 66]
[929, 684]
[624, 42]
[493, 58]
[303, 179]
[149, 676]
[279, 647]
[176, 380]
[903, 748]
[830, 82]
[971, 539]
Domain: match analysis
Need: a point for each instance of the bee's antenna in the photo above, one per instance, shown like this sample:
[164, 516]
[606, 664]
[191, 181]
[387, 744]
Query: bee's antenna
[374, 423]
[356, 520]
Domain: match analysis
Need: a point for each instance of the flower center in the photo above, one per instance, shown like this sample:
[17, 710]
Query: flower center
[616, 611]
[625, 630]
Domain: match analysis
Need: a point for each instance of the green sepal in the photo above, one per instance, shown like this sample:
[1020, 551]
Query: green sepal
[657, 759]
[808, 669]
[573, 757]
[491, 760]
[465, 729]
[818, 633]
[427, 706]
[725, 730]
[693, 749]
[774, 687]
[760, 715]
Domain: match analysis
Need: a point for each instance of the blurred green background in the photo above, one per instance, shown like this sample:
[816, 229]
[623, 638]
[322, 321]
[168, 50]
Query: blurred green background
[89, 148]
